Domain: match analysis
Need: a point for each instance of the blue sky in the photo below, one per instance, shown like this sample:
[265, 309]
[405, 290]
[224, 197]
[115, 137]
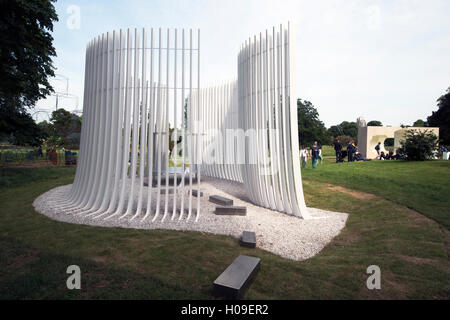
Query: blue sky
[383, 60]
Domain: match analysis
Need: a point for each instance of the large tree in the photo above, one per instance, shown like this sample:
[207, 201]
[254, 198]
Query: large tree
[310, 128]
[441, 117]
[26, 53]
[345, 128]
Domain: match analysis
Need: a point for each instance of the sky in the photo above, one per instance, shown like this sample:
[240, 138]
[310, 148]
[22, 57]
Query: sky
[382, 60]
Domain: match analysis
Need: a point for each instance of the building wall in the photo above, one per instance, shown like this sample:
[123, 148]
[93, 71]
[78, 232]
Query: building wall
[368, 137]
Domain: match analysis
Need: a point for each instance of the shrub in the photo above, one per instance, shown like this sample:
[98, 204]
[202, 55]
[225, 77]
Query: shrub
[419, 146]
[389, 142]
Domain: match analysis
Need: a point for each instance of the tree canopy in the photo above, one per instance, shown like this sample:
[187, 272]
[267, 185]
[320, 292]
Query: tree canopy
[374, 123]
[310, 128]
[63, 129]
[345, 128]
[419, 123]
[26, 52]
[441, 117]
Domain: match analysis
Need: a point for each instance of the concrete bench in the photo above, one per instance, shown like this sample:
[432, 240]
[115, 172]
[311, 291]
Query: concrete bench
[237, 278]
[231, 210]
[221, 200]
[248, 239]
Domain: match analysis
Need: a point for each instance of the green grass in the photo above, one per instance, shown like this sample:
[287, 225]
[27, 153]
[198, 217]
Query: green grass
[423, 186]
[328, 151]
[126, 263]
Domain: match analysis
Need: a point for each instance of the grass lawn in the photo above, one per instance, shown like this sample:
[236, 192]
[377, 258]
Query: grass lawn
[423, 186]
[125, 263]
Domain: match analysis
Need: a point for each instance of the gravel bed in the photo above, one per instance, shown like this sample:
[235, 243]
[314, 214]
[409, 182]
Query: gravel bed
[285, 235]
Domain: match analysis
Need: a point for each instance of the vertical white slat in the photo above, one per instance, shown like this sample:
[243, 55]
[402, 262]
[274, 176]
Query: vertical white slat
[104, 194]
[143, 125]
[269, 110]
[190, 126]
[102, 124]
[210, 123]
[120, 123]
[279, 137]
[84, 128]
[262, 121]
[135, 133]
[86, 192]
[167, 128]
[274, 152]
[91, 113]
[101, 176]
[284, 175]
[183, 126]
[261, 147]
[199, 129]
[288, 136]
[256, 125]
[127, 128]
[224, 125]
[175, 123]
[151, 130]
[159, 120]
[299, 197]
[276, 99]
[81, 157]
[250, 149]
[214, 127]
[219, 131]
[243, 110]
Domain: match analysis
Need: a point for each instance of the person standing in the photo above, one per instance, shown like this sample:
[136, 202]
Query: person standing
[303, 156]
[315, 154]
[350, 150]
[337, 148]
[378, 147]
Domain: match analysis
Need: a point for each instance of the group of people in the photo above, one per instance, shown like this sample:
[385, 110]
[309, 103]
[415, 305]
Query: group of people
[386, 155]
[351, 151]
[315, 152]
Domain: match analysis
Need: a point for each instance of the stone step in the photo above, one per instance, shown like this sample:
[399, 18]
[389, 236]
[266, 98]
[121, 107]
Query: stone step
[221, 200]
[171, 180]
[234, 282]
[248, 239]
[231, 210]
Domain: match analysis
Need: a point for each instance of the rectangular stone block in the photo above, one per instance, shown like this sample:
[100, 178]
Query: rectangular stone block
[231, 210]
[234, 282]
[195, 193]
[248, 239]
[221, 200]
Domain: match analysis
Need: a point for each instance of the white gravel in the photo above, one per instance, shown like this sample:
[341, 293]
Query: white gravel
[285, 235]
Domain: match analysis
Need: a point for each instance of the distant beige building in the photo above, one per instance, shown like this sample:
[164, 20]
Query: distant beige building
[368, 137]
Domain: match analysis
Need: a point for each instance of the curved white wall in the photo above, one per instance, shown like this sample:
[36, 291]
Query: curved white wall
[136, 84]
[261, 112]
